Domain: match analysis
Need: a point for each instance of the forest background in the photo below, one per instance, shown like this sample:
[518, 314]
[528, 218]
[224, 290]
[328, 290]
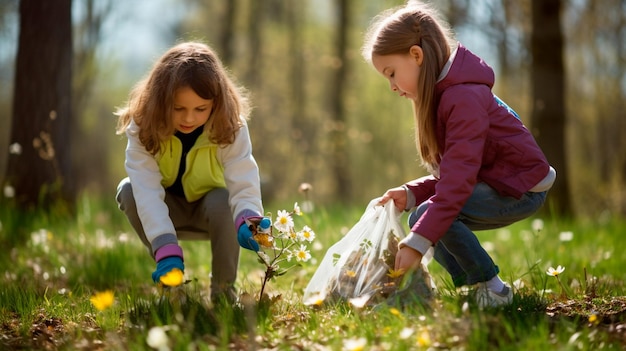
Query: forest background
[321, 114]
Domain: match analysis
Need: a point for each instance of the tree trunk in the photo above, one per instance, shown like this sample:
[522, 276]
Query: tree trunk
[226, 36]
[548, 116]
[338, 137]
[40, 172]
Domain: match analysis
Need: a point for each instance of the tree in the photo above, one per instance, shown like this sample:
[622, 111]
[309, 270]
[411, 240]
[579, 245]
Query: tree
[39, 166]
[338, 138]
[547, 77]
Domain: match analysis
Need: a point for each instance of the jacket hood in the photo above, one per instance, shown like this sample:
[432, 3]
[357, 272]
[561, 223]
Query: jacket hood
[466, 68]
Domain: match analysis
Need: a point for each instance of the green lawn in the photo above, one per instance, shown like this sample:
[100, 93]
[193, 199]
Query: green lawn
[51, 269]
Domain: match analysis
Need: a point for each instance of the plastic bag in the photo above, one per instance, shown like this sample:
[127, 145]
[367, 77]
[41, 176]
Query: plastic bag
[360, 265]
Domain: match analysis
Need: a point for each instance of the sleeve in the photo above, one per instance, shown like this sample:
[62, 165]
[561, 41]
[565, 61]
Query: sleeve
[420, 189]
[241, 174]
[145, 178]
[466, 128]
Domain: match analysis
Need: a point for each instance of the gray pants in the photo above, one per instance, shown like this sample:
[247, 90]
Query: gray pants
[209, 218]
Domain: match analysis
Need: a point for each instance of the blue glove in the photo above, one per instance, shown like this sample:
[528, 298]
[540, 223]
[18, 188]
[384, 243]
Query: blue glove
[165, 265]
[244, 234]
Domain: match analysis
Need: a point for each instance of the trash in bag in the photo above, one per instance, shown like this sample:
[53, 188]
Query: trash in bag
[359, 268]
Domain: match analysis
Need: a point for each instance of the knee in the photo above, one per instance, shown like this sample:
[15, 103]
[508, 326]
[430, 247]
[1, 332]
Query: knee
[216, 203]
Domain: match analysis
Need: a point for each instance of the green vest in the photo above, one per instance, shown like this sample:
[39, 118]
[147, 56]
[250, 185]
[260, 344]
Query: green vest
[203, 171]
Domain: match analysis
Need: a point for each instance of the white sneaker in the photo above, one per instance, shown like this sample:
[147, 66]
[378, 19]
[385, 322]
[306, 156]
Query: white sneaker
[487, 298]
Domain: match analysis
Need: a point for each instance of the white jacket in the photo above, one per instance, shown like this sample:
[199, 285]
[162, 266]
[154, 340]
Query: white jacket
[241, 175]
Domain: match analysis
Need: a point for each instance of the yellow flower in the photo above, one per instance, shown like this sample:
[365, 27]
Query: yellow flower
[423, 338]
[593, 318]
[172, 278]
[265, 240]
[395, 273]
[554, 272]
[102, 300]
[351, 274]
[395, 312]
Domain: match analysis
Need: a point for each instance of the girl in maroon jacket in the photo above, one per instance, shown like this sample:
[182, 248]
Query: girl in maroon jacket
[486, 168]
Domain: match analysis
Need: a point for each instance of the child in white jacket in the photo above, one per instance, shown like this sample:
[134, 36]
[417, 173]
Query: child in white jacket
[191, 172]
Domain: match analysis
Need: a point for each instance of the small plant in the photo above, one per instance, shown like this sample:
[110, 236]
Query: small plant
[281, 244]
[555, 273]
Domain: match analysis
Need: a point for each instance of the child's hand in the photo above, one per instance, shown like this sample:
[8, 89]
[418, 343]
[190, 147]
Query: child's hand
[398, 195]
[168, 258]
[248, 228]
[408, 258]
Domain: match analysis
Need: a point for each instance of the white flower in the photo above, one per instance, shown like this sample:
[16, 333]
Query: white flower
[406, 332]
[537, 225]
[157, 339]
[315, 300]
[292, 235]
[359, 302]
[566, 236]
[283, 222]
[15, 149]
[306, 234]
[302, 254]
[354, 344]
[554, 272]
[296, 209]
[9, 191]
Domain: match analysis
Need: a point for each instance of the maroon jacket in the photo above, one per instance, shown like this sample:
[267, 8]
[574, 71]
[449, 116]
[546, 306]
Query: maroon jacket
[480, 141]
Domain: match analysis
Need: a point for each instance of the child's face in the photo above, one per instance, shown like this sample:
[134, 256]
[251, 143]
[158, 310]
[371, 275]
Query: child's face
[402, 71]
[190, 111]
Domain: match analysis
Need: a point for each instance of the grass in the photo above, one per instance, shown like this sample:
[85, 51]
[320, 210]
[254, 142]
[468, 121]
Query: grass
[50, 269]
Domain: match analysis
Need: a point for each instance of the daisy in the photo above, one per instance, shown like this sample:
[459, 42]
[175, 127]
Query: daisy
[283, 222]
[554, 272]
[306, 234]
[302, 254]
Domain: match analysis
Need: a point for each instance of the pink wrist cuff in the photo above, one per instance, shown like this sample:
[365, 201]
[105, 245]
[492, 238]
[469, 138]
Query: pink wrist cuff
[168, 251]
[239, 222]
[241, 217]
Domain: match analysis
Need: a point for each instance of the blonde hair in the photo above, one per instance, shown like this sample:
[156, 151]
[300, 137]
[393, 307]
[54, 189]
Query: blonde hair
[192, 65]
[395, 31]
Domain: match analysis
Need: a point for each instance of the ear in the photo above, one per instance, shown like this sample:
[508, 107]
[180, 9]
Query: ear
[417, 53]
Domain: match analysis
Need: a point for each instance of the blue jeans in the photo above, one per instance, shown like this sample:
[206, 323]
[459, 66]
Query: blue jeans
[459, 250]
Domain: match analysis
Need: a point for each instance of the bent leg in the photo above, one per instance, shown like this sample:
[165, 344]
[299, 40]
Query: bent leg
[126, 203]
[225, 249]
[459, 250]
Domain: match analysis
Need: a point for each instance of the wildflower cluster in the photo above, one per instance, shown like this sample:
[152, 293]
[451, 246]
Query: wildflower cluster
[281, 243]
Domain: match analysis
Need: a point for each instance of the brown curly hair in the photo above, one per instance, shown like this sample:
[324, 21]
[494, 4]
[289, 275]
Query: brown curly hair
[189, 64]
